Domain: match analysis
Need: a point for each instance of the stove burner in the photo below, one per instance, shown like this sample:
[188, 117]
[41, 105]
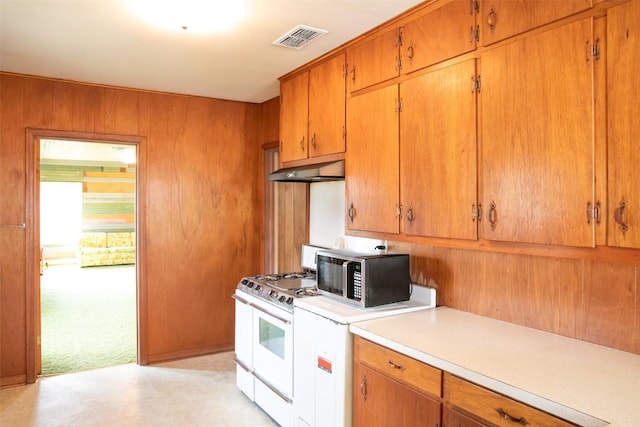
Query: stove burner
[280, 276]
[280, 288]
[295, 276]
[306, 292]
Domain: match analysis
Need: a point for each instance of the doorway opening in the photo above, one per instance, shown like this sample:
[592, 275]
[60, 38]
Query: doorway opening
[86, 301]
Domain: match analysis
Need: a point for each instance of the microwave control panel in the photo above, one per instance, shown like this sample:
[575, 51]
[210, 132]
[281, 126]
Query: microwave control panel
[354, 272]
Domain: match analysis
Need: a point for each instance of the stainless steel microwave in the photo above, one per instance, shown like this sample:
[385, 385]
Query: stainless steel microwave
[363, 280]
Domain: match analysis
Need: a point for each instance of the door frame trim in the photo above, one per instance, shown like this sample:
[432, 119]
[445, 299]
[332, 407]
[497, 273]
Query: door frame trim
[32, 222]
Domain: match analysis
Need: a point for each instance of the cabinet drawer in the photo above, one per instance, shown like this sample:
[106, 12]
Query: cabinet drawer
[493, 407]
[399, 367]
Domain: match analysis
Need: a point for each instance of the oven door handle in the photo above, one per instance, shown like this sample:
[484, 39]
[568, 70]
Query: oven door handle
[242, 365]
[283, 320]
[272, 388]
[242, 300]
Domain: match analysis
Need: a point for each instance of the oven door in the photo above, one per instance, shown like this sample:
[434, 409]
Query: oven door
[273, 348]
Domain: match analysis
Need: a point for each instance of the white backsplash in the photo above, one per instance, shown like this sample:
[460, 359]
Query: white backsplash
[327, 218]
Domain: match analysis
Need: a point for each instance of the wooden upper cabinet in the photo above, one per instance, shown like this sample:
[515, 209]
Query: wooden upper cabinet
[374, 60]
[438, 161]
[537, 138]
[312, 112]
[505, 18]
[441, 34]
[623, 63]
[294, 110]
[371, 167]
[327, 107]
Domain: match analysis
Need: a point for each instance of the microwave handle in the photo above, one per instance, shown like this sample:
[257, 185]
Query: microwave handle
[345, 277]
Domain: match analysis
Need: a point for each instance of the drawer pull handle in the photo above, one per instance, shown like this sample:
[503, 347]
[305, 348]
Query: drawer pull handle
[511, 418]
[395, 365]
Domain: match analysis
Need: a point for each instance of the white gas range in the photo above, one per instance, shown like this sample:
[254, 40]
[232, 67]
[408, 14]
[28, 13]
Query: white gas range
[264, 336]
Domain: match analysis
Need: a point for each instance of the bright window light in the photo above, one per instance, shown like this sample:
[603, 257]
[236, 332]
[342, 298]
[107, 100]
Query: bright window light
[199, 16]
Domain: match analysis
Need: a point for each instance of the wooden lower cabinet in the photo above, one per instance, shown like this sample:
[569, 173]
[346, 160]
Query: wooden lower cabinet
[478, 406]
[391, 389]
[381, 401]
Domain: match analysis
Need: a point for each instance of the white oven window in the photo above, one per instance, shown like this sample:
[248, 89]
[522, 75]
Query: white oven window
[271, 337]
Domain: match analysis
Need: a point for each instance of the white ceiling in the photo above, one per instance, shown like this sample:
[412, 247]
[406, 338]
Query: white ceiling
[103, 41]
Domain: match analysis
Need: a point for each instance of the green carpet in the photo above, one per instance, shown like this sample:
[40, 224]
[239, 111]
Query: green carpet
[88, 317]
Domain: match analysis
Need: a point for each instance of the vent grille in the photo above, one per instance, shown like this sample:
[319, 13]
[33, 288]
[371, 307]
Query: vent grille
[299, 37]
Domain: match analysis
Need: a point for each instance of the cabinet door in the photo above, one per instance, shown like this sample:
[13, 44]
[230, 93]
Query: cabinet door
[327, 107]
[438, 161]
[294, 96]
[505, 18]
[380, 401]
[623, 63]
[453, 418]
[373, 61]
[372, 165]
[537, 138]
[441, 34]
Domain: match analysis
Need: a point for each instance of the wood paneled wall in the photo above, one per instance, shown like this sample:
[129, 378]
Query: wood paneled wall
[202, 219]
[586, 299]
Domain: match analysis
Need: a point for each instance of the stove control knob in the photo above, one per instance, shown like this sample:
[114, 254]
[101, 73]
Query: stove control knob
[290, 300]
[245, 282]
[273, 294]
[258, 287]
[282, 298]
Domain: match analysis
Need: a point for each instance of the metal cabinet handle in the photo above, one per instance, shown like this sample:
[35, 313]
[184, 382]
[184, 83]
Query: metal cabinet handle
[511, 418]
[353, 73]
[410, 51]
[491, 19]
[302, 144]
[21, 225]
[410, 217]
[351, 213]
[618, 216]
[395, 365]
[313, 140]
[363, 388]
[492, 215]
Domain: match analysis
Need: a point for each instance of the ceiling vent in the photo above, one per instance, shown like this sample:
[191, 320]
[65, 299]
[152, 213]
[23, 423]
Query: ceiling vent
[299, 37]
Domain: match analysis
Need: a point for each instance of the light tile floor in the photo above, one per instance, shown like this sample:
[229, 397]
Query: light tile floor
[199, 391]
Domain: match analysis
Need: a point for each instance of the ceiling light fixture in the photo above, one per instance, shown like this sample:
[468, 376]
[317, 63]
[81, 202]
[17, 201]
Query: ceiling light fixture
[200, 16]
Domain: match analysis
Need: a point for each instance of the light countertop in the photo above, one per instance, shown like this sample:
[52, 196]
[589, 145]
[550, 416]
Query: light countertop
[584, 383]
[422, 298]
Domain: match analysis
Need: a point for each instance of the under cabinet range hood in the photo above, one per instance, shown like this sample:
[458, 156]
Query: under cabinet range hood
[331, 171]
